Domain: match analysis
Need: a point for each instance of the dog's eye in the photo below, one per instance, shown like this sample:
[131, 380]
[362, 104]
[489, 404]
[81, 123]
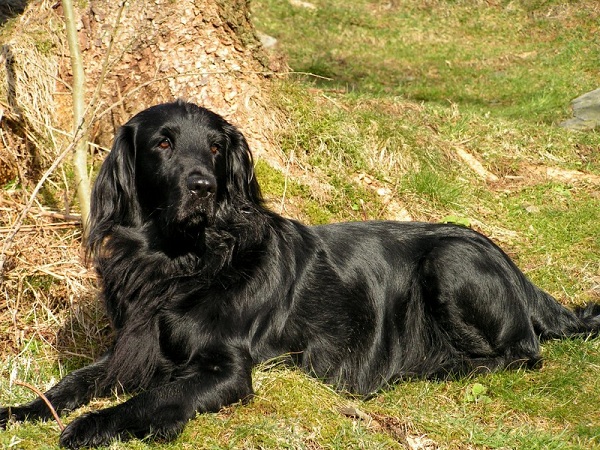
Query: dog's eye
[165, 144]
[214, 149]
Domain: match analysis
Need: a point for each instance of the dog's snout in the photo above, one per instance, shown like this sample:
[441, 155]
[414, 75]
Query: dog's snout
[201, 185]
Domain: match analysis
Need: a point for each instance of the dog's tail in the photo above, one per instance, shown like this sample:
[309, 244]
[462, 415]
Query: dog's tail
[552, 320]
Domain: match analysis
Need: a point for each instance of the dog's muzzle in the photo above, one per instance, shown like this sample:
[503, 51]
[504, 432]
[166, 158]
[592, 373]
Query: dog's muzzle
[201, 185]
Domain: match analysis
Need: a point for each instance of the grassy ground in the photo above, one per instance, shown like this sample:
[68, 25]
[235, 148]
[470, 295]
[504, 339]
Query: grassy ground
[404, 90]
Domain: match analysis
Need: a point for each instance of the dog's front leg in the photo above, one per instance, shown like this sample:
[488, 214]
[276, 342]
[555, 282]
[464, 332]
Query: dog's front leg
[163, 411]
[74, 390]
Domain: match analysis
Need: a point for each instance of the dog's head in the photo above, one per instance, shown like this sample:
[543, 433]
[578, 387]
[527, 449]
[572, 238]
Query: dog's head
[176, 166]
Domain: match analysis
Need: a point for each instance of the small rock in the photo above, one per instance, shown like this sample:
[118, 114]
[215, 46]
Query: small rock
[532, 209]
[302, 4]
[266, 40]
[586, 109]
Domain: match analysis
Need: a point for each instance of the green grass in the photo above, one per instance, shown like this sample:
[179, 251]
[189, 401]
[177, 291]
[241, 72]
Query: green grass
[515, 59]
[410, 83]
[523, 410]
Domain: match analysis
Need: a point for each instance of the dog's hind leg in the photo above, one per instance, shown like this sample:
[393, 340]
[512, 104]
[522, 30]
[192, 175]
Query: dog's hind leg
[478, 298]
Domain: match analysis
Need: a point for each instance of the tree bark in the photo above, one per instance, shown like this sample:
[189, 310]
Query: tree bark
[204, 51]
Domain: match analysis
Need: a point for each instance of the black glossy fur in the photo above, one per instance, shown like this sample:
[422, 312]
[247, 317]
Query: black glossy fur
[201, 283]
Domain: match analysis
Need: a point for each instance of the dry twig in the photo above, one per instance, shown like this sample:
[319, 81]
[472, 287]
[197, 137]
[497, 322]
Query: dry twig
[46, 401]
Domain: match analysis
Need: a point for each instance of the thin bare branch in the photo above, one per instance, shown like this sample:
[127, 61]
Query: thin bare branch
[80, 158]
[46, 401]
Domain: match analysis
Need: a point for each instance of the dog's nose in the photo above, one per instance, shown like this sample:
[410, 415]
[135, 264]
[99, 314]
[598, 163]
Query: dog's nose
[201, 185]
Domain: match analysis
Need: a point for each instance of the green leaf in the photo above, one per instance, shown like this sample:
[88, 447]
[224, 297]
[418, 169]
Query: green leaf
[462, 221]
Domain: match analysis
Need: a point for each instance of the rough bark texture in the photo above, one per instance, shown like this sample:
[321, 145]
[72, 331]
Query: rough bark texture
[196, 50]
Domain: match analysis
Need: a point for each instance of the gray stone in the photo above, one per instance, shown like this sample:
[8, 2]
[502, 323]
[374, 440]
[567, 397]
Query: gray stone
[266, 40]
[586, 112]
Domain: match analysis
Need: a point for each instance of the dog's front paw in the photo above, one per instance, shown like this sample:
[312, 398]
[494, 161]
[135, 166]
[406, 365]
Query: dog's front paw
[17, 414]
[90, 430]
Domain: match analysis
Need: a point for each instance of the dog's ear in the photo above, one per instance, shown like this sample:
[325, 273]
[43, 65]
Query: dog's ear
[114, 197]
[241, 180]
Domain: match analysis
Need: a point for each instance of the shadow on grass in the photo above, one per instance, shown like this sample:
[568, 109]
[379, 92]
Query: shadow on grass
[10, 9]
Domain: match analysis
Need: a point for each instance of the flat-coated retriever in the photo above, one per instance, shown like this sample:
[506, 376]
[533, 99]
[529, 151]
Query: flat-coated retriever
[201, 282]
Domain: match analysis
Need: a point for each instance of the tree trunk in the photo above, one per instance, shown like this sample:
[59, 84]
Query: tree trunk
[204, 51]
[135, 55]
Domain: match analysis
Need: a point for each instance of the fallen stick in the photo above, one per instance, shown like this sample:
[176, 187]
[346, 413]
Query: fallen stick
[46, 226]
[43, 397]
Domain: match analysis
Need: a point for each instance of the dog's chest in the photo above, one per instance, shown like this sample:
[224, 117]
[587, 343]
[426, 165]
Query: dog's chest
[193, 325]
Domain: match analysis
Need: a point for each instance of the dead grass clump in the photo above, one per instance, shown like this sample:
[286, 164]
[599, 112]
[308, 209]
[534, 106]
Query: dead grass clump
[30, 69]
[44, 284]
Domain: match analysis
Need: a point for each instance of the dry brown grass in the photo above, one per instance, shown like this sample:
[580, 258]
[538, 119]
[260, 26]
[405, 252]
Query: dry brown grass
[31, 71]
[46, 290]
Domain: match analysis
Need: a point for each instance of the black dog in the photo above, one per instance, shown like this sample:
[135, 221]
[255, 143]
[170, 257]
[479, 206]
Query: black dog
[201, 283]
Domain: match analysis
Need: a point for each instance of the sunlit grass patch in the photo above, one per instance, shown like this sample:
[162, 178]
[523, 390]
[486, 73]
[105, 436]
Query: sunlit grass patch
[514, 59]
